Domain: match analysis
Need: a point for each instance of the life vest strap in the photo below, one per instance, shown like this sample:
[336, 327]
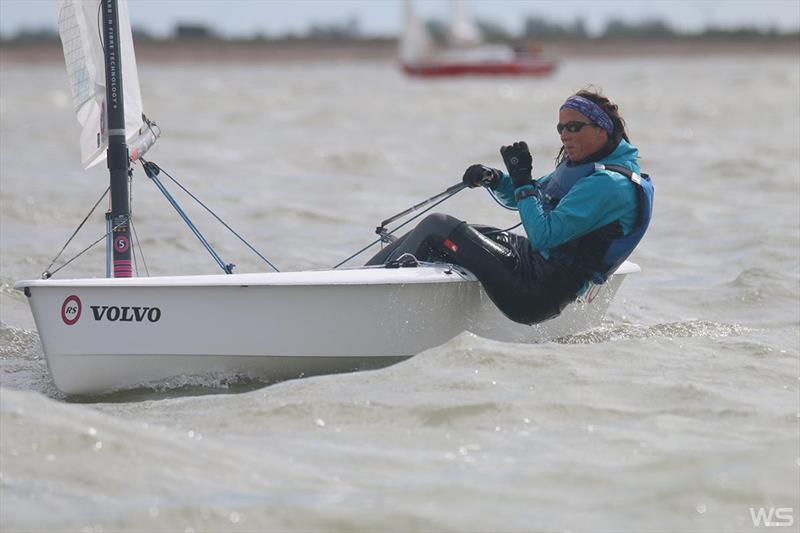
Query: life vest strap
[628, 173]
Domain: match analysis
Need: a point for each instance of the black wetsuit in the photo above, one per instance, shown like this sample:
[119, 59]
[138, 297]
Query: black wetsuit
[525, 286]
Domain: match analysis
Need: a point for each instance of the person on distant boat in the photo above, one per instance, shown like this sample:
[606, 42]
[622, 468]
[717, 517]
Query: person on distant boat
[582, 220]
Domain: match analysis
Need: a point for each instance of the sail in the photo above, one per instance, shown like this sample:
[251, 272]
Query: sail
[416, 43]
[463, 31]
[80, 28]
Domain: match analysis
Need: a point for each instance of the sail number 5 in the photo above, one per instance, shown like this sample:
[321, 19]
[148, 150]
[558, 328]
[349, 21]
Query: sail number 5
[121, 243]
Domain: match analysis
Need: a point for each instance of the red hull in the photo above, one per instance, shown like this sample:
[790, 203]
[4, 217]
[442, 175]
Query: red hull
[537, 67]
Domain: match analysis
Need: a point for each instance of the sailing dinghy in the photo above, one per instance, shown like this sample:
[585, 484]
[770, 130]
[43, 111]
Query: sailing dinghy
[105, 334]
[465, 53]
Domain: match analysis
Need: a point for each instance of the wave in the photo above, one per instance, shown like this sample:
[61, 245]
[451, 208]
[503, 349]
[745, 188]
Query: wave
[683, 329]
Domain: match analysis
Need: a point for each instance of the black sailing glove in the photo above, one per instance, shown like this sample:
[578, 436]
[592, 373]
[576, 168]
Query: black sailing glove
[479, 175]
[519, 163]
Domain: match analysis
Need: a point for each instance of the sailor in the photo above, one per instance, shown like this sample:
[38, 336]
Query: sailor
[581, 221]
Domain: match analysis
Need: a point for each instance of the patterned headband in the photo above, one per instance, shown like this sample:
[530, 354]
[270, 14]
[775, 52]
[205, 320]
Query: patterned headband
[591, 111]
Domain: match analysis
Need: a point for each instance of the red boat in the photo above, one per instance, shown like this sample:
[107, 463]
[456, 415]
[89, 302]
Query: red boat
[465, 53]
[524, 66]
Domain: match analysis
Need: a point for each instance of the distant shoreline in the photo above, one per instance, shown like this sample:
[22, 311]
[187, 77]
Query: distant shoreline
[386, 50]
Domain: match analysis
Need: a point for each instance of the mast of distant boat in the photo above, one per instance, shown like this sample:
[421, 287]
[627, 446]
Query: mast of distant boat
[117, 153]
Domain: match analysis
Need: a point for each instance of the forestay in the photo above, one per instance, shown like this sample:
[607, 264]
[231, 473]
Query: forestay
[79, 25]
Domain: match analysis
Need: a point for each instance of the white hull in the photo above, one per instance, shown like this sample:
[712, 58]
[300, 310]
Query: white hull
[100, 335]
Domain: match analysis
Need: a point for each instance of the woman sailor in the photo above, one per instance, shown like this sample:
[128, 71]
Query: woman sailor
[582, 220]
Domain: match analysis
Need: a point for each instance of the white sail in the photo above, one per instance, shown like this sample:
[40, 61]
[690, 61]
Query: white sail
[463, 31]
[416, 43]
[80, 28]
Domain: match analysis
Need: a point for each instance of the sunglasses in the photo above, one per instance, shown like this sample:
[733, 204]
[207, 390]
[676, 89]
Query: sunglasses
[573, 126]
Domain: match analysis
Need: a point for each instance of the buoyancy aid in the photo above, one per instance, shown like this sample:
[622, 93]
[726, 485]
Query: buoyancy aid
[600, 252]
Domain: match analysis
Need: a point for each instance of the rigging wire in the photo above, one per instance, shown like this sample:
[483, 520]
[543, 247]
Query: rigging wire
[133, 228]
[141, 251]
[504, 206]
[130, 212]
[497, 200]
[151, 167]
[46, 274]
[226, 267]
[152, 174]
[155, 169]
[133, 254]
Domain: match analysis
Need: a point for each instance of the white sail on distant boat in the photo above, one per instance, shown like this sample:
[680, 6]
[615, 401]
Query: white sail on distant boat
[101, 335]
[416, 42]
[463, 31]
[465, 53]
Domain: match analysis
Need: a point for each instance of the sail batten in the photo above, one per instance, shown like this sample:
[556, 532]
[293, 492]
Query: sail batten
[79, 25]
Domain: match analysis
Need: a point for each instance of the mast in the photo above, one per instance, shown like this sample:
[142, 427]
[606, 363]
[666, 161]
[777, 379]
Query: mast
[117, 153]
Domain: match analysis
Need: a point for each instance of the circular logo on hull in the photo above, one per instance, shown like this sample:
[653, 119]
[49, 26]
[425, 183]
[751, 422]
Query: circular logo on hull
[71, 310]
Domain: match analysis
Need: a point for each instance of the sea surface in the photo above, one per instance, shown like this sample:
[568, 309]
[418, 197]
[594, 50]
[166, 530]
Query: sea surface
[681, 413]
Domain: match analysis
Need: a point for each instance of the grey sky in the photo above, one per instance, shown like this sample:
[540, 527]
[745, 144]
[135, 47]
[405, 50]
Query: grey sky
[275, 17]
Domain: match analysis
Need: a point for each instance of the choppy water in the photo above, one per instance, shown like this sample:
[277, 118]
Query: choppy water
[679, 414]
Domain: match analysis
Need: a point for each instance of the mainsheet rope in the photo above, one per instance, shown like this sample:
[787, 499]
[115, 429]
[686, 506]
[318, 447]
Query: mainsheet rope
[383, 236]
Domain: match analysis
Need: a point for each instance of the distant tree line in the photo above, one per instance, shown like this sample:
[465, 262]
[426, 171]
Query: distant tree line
[534, 28]
[542, 29]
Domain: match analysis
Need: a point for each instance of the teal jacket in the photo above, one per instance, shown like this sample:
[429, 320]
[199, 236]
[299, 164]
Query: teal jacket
[593, 202]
